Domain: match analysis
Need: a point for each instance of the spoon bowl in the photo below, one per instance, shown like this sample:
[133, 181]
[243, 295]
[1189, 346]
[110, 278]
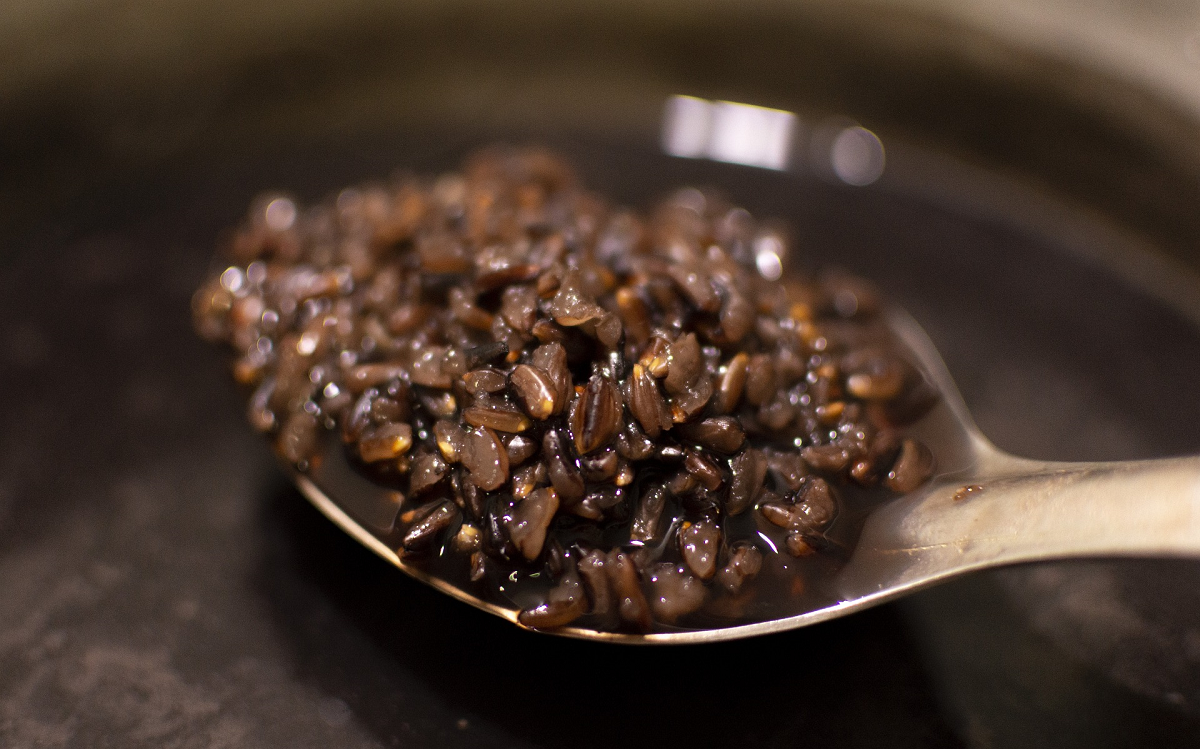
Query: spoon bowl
[984, 508]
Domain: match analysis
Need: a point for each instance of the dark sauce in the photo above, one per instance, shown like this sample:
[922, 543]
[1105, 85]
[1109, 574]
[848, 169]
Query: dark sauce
[786, 585]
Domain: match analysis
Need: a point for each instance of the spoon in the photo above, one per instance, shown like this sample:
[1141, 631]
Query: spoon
[984, 509]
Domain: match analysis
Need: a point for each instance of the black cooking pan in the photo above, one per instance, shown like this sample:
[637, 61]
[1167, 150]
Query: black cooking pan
[161, 584]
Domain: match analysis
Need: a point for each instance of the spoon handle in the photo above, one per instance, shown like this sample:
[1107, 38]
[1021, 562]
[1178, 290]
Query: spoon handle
[1026, 511]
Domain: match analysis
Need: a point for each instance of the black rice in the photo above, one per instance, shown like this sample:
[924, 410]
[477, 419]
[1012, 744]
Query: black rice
[617, 409]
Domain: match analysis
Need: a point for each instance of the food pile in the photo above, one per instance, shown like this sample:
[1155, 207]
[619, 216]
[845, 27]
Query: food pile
[631, 413]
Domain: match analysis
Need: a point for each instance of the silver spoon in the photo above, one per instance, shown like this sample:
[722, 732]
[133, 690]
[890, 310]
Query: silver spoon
[984, 509]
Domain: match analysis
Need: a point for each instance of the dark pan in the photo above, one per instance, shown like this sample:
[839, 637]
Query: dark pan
[161, 584]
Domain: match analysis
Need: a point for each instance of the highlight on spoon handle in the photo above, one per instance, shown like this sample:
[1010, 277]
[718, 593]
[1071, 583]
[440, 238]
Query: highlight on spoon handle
[1030, 511]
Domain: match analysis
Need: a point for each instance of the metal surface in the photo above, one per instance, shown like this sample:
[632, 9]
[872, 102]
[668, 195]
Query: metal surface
[996, 509]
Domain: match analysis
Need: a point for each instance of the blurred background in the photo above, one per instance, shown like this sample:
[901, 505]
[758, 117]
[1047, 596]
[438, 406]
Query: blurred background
[85, 86]
[1038, 211]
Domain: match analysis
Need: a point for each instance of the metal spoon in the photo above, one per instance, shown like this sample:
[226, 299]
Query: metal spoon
[984, 509]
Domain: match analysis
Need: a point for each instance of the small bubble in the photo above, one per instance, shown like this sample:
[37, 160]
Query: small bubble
[846, 303]
[307, 344]
[769, 265]
[256, 272]
[857, 156]
[233, 280]
[690, 199]
[280, 214]
[768, 256]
